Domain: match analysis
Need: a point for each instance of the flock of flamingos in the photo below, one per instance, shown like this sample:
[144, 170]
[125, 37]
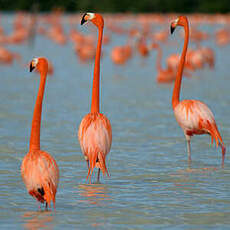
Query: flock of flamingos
[39, 170]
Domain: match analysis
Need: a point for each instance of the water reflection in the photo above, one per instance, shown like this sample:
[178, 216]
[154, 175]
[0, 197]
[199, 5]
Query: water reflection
[94, 193]
[186, 179]
[190, 169]
[38, 220]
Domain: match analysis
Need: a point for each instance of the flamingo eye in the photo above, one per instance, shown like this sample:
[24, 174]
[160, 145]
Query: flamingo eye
[34, 61]
[91, 16]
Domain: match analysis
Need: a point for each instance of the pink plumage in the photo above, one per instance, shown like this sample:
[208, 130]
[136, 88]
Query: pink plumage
[194, 117]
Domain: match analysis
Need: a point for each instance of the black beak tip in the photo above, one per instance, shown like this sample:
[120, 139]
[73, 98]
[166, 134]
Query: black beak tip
[172, 29]
[83, 19]
[31, 67]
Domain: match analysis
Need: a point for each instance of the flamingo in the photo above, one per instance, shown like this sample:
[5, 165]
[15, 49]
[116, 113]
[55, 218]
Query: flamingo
[121, 54]
[7, 57]
[142, 47]
[194, 117]
[39, 170]
[95, 132]
[164, 75]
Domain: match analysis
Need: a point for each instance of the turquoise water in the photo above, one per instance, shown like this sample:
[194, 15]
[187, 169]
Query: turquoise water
[151, 186]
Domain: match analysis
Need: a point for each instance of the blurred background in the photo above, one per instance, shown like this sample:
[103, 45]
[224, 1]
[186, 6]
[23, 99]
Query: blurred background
[109, 6]
[150, 184]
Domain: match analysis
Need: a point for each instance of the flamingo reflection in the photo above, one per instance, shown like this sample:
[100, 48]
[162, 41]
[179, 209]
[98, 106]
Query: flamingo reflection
[94, 193]
[38, 220]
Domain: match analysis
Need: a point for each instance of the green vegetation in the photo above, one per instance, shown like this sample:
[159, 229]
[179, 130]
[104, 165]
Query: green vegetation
[133, 6]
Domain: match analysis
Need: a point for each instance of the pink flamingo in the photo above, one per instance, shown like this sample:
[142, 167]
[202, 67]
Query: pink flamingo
[194, 117]
[7, 57]
[95, 132]
[142, 47]
[39, 170]
[164, 75]
[120, 54]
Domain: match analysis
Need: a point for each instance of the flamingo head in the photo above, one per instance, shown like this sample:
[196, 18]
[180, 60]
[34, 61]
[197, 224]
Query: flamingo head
[96, 19]
[180, 21]
[41, 64]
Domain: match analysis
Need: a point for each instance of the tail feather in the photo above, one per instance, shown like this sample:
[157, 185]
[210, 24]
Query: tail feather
[50, 192]
[212, 140]
[93, 159]
[215, 135]
[103, 168]
[37, 195]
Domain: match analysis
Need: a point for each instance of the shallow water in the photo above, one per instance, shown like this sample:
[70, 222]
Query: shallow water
[150, 184]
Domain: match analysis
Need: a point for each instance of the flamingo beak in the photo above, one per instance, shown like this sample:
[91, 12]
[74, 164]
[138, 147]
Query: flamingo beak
[31, 67]
[172, 28]
[83, 20]
[174, 25]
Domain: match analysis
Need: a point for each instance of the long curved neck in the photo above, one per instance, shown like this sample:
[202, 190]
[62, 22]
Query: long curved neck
[95, 106]
[159, 58]
[177, 85]
[36, 122]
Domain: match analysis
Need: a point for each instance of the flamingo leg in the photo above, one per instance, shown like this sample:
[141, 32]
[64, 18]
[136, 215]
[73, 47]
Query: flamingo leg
[188, 139]
[90, 175]
[39, 206]
[87, 163]
[223, 154]
[189, 151]
[98, 175]
[46, 206]
[90, 178]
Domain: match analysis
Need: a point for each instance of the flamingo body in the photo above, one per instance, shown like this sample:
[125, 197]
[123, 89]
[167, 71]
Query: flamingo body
[40, 174]
[195, 118]
[165, 76]
[95, 137]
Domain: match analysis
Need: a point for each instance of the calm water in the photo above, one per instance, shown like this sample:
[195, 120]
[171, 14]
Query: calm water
[150, 186]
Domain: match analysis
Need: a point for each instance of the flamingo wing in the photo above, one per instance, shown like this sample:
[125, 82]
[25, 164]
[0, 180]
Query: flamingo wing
[41, 175]
[95, 137]
[195, 117]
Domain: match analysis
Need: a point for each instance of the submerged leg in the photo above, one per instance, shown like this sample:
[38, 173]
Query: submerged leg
[188, 139]
[39, 206]
[223, 153]
[189, 150]
[90, 175]
[98, 175]
[87, 163]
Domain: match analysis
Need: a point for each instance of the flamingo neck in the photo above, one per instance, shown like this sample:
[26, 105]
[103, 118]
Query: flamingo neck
[177, 85]
[95, 106]
[159, 58]
[36, 122]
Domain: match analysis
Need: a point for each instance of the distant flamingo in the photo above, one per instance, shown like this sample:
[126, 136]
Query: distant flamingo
[95, 132]
[86, 51]
[172, 61]
[160, 36]
[164, 75]
[39, 170]
[120, 54]
[222, 37]
[208, 55]
[142, 47]
[7, 57]
[194, 117]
